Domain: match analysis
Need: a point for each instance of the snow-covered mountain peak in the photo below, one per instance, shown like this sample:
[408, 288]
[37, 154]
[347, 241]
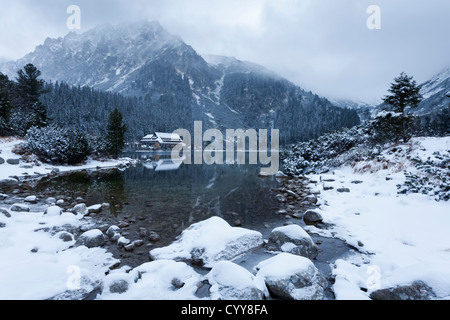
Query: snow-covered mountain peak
[232, 64]
[436, 84]
[104, 57]
[145, 31]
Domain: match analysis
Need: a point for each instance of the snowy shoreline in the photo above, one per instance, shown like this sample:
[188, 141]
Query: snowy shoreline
[13, 168]
[402, 237]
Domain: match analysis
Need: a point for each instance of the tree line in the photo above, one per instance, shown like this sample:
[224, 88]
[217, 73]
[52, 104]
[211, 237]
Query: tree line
[23, 114]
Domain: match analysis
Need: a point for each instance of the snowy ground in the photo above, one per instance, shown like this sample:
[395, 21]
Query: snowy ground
[36, 264]
[401, 238]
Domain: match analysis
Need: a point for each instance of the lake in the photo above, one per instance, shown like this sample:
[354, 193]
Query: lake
[168, 197]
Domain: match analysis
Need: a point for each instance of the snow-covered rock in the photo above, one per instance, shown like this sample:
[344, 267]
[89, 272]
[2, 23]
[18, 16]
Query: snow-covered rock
[292, 239]
[51, 200]
[291, 277]
[80, 209]
[53, 211]
[349, 279]
[232, 282]
[97, 208]
[31, 199]
[9, 182]
[156, 280]
[91, 239]
[112, 231]
[18, 207]
[116, 283]
[65, 236]
[418, 290]
[122, 242]
[54, 269]
[208, 242]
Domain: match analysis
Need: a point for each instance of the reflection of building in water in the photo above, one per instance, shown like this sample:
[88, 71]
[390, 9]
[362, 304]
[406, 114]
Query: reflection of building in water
[160, 162]
[160, 141]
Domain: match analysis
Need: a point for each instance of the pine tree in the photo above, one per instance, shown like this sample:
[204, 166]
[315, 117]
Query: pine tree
[5, 103]
[28, 84]
[116, 133]
[27, 93]
[404, 93]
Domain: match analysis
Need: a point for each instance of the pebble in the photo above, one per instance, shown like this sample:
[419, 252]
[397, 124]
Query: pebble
[123, 241]
[154, 237]
[31, 199]
[123, 224]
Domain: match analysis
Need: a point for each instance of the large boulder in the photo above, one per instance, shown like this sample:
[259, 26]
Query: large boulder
[91, 239]
[156, 280]
[208, 242]
[18, 207]
[312, 217]
[232, 282]
[292, 239]
[291, 277]
[418, 290]
[9, 182]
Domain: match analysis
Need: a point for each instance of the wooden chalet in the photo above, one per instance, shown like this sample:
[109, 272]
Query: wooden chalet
[160, 141]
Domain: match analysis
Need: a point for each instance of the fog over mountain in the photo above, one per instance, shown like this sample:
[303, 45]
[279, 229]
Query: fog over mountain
[172, 82]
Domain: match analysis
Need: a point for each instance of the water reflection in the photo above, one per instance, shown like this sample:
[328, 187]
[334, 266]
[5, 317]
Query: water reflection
[159, 161]
[172, 199]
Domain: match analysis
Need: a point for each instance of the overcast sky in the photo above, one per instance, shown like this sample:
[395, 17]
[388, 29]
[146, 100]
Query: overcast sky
[321, 45]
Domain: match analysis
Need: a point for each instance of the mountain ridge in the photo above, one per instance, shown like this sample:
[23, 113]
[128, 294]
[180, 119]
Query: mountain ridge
[143, 60]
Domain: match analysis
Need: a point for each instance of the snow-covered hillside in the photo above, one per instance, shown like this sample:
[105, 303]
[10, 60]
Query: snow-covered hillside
[438, 84]
[401, 238]
[436, 93]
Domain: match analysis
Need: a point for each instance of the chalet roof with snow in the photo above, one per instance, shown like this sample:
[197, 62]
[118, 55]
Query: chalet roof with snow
[162, 138]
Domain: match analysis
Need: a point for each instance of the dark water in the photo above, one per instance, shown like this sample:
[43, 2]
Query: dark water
[168, 197]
